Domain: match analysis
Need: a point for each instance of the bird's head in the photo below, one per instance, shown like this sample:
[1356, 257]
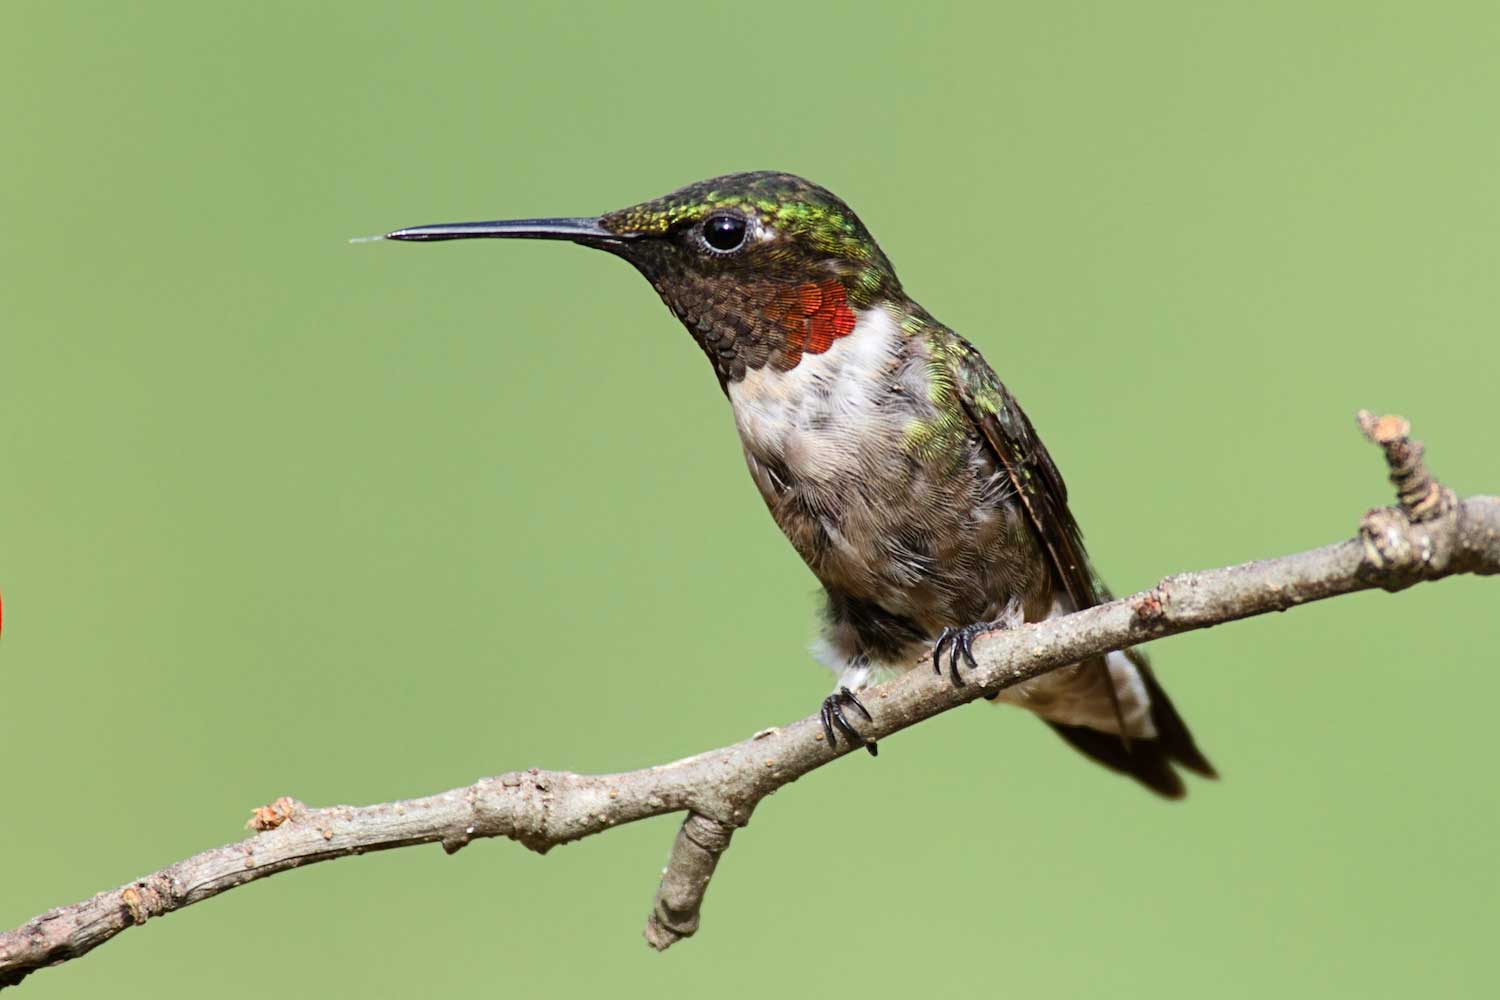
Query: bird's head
[762, 268]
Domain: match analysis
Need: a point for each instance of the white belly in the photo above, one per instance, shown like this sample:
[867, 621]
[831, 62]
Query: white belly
[811, 419]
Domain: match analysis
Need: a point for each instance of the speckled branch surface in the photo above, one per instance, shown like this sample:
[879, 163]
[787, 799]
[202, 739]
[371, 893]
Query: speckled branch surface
[1428, 535]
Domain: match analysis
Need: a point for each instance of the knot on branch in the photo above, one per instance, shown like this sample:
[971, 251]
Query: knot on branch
[1150, 608]
[144, 900]
[1413, 541]
[263, 818]
[518, 805]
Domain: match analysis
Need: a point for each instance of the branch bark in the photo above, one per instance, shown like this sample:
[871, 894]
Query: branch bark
[1428, 535]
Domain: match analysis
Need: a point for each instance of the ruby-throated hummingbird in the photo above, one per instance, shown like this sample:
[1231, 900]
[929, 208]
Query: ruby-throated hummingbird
[899, 466]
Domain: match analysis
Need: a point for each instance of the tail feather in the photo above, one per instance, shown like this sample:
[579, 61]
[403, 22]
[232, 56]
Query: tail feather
[1145, 760]
[1171, 732]
[1149, 761]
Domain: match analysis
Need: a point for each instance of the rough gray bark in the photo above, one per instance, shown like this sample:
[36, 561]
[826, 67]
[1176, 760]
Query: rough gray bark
[1429, 535]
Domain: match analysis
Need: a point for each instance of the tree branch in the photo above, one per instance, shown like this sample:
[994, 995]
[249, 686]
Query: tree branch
[1428, 536]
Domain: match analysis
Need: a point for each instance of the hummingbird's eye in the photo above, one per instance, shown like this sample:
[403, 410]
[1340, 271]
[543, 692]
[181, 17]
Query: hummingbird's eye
[724, 233]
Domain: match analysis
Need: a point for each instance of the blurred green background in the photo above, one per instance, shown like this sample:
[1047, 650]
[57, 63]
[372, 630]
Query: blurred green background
[281, 515]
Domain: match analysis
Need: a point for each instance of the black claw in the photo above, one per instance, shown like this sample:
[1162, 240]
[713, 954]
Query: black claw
[947, 636]
[850, 733]
[937, 650]
[966, 646]
[958, 681]
[850, 697]
[832, 717]
[962, 645]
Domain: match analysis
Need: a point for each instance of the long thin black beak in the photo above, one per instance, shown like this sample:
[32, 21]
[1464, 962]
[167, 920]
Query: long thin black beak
[581, 230]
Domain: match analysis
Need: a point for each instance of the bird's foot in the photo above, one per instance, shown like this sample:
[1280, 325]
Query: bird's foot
[960, 642]
[833, 718]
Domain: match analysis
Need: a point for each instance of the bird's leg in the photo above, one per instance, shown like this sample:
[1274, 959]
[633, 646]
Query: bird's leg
[960, 641]
[833, 718]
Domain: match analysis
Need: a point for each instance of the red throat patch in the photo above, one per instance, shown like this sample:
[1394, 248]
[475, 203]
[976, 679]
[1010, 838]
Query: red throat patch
[816, 315]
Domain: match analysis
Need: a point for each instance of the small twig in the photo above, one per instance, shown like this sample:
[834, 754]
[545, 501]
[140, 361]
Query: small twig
[1430, 536]
[695, 854]
[1421, 497]
[1413, 541]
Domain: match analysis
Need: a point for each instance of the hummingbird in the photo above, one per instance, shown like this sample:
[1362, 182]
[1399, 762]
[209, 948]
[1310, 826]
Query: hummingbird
[900, 467]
